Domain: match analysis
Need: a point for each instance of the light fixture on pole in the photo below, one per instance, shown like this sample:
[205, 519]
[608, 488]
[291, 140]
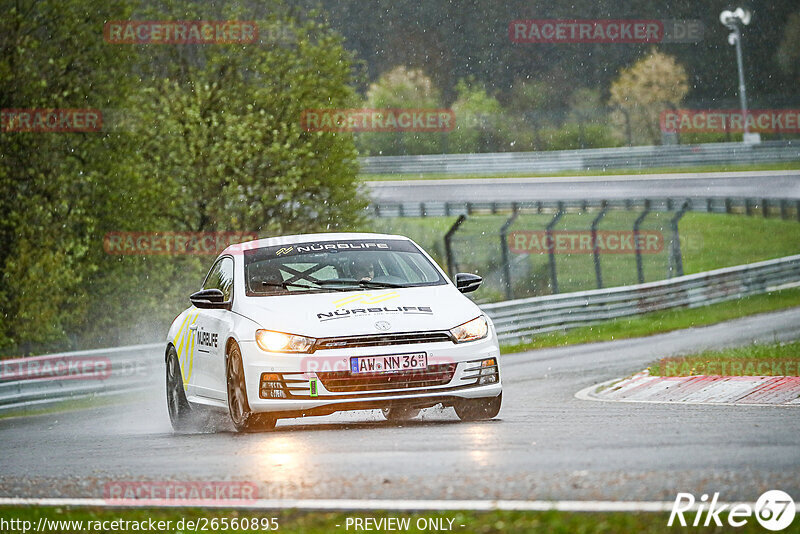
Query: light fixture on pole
[734, 21]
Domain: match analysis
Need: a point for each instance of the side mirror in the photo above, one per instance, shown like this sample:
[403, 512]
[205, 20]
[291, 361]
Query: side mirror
[468, 282]
[212, 299]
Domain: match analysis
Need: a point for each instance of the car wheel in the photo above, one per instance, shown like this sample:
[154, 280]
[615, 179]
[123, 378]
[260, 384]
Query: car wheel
[243, 419]
[478, 409]
[180, 412]
[399, 413]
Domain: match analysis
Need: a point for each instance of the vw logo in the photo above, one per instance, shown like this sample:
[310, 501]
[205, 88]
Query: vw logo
[383, 325]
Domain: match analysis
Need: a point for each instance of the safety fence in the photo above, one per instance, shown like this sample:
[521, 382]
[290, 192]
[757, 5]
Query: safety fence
[763, 207]
[490, 240]
[637, 157]
[40, 381]
[520, 320]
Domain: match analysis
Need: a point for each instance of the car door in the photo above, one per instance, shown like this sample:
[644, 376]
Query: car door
[212, 330]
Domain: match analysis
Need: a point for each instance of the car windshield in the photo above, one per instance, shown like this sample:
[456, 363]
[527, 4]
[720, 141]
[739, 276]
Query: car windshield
[336, 266]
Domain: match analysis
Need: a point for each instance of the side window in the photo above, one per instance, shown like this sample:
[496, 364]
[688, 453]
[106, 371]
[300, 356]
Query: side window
[221, 277]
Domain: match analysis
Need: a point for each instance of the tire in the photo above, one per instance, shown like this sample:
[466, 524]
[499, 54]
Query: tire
[478, 409]
[400, 413]
[180, 412]
[239, 409]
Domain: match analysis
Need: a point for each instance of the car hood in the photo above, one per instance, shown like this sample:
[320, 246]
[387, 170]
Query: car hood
[349, 313]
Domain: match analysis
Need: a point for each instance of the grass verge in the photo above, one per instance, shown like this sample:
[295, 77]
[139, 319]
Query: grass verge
[781, 166]
[663, 321]
[770, 359]
[289, 521]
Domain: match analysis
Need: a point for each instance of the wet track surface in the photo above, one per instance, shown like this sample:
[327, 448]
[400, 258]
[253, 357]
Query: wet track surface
[545, 444]
[779, 184]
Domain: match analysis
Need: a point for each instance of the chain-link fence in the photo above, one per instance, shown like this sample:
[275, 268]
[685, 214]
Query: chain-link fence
[530, 253]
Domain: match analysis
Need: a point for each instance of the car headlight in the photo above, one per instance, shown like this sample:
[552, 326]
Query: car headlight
[279, 342]
[477, 328]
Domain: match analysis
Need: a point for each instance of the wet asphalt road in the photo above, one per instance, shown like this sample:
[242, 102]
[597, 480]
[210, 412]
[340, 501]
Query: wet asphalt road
[545, 444]
[773, 184]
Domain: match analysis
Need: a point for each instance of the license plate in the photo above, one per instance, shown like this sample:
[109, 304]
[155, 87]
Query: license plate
[388, 364]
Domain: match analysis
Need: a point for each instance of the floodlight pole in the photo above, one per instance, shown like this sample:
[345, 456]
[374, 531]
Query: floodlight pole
[742, 90]
[735, 21]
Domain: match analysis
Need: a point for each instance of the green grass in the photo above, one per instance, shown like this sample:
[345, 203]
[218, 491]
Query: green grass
[717, 240]
[771, 359]
[782, 166]
[323, 522]
[662, 321]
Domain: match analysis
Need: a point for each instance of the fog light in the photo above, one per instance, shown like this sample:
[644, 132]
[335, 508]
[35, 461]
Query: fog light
[271, 386]
[489, 372]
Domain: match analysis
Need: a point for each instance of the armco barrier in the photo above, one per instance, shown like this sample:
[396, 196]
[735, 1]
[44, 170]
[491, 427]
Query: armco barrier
[28, 383]
[637, 157]
[518, 320]
[141, 366]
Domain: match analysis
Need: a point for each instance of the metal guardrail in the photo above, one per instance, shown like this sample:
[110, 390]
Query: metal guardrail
[765, 207]
[519, 320]
[40, 381]
[29, 383]
[637, 157]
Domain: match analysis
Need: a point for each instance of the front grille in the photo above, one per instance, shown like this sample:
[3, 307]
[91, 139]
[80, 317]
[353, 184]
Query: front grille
[379, 340]
[345, 381]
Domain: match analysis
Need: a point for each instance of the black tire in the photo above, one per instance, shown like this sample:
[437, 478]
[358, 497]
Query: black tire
[478, 409]
[239, 409]
[180, 412]
[399, 413]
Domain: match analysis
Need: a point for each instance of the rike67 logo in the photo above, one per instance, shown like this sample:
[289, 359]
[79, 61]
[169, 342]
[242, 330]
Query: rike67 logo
[774, 510]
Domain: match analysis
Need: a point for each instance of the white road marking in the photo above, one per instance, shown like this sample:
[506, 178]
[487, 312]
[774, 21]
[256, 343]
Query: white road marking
[355, 505]
[569, 179]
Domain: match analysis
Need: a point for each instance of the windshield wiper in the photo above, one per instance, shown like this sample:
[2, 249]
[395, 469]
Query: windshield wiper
[287, 285]
[360, 283]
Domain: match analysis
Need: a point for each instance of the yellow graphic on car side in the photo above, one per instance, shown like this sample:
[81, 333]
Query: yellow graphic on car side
[184, 345]
[365, 298]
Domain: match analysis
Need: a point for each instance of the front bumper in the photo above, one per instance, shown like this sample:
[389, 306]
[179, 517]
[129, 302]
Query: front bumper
[318, 384]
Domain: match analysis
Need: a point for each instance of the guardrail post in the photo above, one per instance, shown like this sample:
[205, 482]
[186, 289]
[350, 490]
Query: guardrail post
[636, 224]
[797, 210]
[551, 255]
[784, 210]
[448, 247]
[764, 208]
[504, 253]
[675, 245]
[596, 250]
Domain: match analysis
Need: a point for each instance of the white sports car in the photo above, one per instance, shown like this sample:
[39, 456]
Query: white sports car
[313, 324]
